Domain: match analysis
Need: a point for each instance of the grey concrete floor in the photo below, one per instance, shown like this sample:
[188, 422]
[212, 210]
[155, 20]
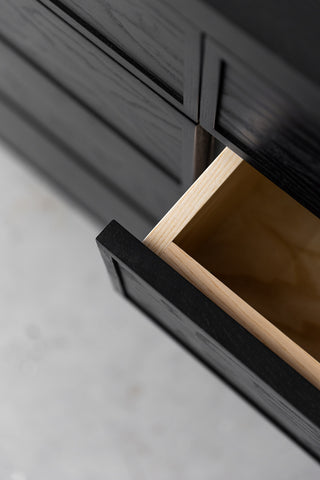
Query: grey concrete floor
[89, 388]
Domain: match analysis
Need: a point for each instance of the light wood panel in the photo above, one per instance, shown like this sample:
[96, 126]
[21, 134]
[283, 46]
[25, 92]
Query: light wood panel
[253, 251]
[266, 248]
[243, 313]
[192, 201]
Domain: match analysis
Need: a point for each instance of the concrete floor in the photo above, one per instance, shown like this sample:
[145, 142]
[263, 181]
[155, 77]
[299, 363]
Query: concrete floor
[90, 390]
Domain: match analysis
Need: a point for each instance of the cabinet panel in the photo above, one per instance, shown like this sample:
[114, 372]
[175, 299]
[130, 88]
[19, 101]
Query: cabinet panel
[101, 85]
[270, 129]
[36, 145]
[87, 138]
[149, 37]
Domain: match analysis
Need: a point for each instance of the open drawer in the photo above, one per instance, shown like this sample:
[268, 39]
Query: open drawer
[232, 273]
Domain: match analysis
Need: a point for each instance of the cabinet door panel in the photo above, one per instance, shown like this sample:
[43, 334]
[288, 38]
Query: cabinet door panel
[88, 139]
[273, 131]
[101, 85]
[36, 145]
[150, 38]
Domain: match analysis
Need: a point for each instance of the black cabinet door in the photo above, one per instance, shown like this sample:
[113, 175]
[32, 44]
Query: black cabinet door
[150, 38]
[212, 336]
[274, 130]
[102, 86]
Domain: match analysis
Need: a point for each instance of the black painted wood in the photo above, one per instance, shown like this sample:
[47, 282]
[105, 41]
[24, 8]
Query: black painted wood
[160, 132]
[39, 147]
[247, 365]
[148, 37]
[266, 38]
[148, 31]
[109, 156]
[99, 83]
[288, 28]
[266, 126]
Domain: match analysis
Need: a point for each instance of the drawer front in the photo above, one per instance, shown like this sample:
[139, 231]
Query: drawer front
[206, 331]
[149, 37]
[272, 131]
[104, 87]
[37, 146]
[91, 141]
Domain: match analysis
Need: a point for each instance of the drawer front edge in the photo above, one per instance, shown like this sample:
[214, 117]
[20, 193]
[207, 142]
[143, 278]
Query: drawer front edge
[243, 362]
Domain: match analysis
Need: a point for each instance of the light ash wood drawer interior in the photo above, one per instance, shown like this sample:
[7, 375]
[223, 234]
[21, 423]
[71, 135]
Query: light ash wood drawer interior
[255, 252]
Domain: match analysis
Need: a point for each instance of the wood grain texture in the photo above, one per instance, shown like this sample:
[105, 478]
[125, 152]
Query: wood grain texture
[298, 76]
[240, 245]
[266, 126]
[36, 144]
[91, 140]
[148, 31]
[289, 28]
[191, 202]
[247, 316]
[247, 365]
[80, 19]
[282, 138]
[265, 247]
[97, 81]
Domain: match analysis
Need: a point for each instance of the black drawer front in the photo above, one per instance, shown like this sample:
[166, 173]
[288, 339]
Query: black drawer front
[149, 37]
[102, 85]
[265, 380]
[38, 147]
[271, 130]
[144, 185]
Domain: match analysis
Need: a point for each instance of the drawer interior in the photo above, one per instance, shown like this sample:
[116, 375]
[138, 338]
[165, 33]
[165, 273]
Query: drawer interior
[255, 252]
